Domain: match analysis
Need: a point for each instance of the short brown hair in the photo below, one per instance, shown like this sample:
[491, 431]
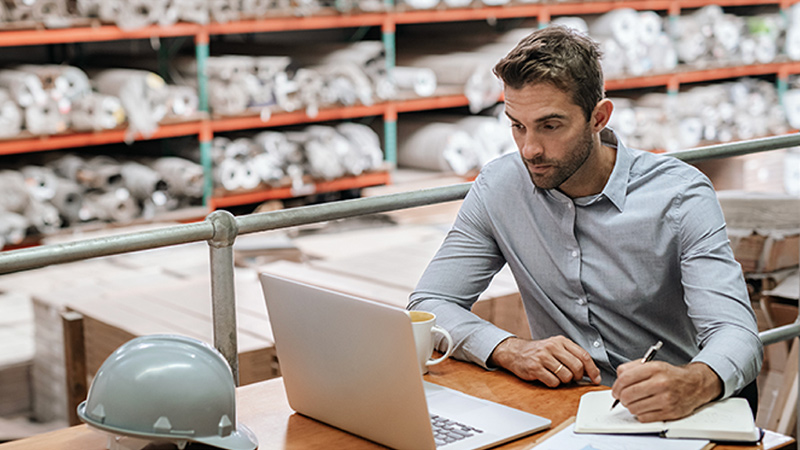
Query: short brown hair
[562, 56]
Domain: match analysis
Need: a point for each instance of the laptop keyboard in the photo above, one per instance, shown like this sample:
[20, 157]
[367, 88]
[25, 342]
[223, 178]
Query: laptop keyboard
[446, 431]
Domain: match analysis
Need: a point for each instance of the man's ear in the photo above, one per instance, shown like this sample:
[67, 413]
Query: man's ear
[602, 114]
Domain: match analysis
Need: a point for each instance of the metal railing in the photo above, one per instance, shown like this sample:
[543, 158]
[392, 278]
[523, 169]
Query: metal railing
[221, 228]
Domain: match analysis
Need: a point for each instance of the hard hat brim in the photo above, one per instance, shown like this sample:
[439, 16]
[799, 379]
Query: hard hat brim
[241, 439]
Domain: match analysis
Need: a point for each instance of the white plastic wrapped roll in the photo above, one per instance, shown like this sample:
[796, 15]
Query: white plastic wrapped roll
[41, 181]
[68, 200]
[436, 146]
[11, 115]
[25, 88]
[184, 178]
[115, 205]
[365, 141]
[421, 4]
[622, 24]
[268, 167]
[96, 112]
[222, 11]
[419, 79]
[791, 107]
[192, 10]
[663, 55]
[15, 196]
[45, 119]
[650, 27]
[100, 172]
[182, 101]
[143, 94]
[329, 154]
[66, 82]
[574, 22]
[143, 182]
[13, 228]
[226, 98]
[43, 217]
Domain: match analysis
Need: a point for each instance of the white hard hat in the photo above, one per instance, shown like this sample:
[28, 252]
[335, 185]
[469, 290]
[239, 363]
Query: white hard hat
[167, 388]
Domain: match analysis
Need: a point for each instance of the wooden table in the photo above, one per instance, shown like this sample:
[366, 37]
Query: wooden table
[263, 407]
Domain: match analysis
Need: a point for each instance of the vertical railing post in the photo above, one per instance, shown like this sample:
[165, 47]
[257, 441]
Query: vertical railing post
[223, 294]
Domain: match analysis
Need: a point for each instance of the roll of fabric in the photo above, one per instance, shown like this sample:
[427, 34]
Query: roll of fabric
[184, 178]
[269, 168]
[52, 13]
[223, 11]
[100, 172]
[440, 147]
[420, 4]
[227, 98]
[11, 116]
[43, 216]
[192, 11]
[131, 14]
[26, 89]
[142, 93]
[41, 181]
[650, 27]
[363, 141]
[791, 107]
[13, 228]
[182, 101]
[143, 182]
[15, 195]
[68, 200]
[621, 24]
[45, 119]
[328, 154]
[574, 22]
[60, 82]
[115, 205]
[67, 166]
[96, 112]
[421, 80]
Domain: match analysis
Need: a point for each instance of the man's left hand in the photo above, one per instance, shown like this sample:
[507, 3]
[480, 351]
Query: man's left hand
[657, 390]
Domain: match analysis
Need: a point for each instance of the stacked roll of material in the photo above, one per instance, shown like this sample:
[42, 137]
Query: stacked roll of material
[143, 94]
[703, 114]
[11, 115]
[634, 42]
[791, 44]
[420, 80]
[469, 70]
[184, 178]
[275, 158]
[96, 112]
[710, 36]
[17, 200]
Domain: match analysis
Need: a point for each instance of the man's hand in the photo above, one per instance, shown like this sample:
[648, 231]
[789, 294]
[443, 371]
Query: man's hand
[552, 361]
[657, 390]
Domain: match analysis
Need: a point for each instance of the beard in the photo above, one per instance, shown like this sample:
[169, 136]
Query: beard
[561, 170]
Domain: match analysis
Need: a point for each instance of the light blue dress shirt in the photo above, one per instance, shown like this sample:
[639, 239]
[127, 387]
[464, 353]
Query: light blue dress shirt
[647, 259]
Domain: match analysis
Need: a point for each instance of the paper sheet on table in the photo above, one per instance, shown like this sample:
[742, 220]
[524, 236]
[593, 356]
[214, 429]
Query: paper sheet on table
[567, 439]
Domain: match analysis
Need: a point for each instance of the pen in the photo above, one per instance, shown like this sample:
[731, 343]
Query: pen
[651, 353]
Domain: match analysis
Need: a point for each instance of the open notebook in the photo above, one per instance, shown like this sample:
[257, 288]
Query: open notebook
[352, 363]
[726, 420]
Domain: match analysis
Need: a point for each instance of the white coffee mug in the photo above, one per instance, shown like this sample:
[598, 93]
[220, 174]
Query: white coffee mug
[424, 325]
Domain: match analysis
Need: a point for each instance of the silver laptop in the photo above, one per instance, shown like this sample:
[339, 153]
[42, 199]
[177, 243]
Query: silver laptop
[351, 363]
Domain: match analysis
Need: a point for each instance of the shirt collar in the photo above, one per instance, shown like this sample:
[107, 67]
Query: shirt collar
[617, 185]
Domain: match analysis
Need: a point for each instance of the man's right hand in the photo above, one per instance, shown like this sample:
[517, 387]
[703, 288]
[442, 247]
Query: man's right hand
[552, 361]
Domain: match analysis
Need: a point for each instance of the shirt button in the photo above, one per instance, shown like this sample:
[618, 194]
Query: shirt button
[574, 253]
[581, 301]
[596, 344]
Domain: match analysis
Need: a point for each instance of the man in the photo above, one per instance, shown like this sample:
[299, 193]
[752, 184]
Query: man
[612, 250]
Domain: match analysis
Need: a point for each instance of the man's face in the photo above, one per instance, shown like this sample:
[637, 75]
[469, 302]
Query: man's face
[552, 134]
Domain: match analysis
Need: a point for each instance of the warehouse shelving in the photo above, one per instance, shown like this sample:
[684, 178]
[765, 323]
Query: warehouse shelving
[206, 126]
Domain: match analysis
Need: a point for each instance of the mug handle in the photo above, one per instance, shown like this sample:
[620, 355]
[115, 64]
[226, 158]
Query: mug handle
[443, 332]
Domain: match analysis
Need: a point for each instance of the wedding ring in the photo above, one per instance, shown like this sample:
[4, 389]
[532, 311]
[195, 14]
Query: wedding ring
[560, 366]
